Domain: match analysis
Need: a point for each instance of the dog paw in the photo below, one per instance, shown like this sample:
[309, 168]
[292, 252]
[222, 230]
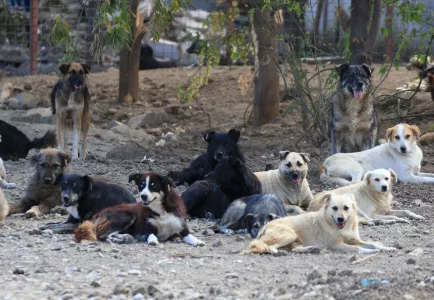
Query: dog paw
[192, 240]
[120, 239]
[368, 251]
[228, 231]
[34, 212]
[9, 186]
[152, 240]
[388, 249]
[417, 217]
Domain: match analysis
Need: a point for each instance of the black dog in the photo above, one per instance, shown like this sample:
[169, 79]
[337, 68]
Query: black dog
[148, 61]
[220, 145]
[84, 197]
[251, 213]
[230, 180]
[15, 144]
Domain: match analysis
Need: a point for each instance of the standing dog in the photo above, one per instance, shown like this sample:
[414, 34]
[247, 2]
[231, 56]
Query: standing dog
[43, 191]
[334, 227]
[374, 198]
[70, 101]
[159, 216]
[288, 182]
[400, 153]
[353, 123]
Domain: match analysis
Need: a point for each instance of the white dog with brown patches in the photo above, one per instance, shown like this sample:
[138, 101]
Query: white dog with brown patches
[334, 227]
[374, 199]
[400, 153]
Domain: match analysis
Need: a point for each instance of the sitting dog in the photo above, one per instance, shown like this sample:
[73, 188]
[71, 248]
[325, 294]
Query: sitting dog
[353, 123]
[400, 153]
[334, 226]
[288, 182]
[4, 206]
[43, 192]
[15, 145]
[251, 213]
[230, 180]
[374, 199]
[159, 216]
[84, 197]
[220, 145]
[70, 102]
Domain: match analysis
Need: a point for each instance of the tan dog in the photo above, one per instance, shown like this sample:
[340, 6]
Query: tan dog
[400, 153]
[43, 191]
[426, 139]
[334, 227]
[374, 199]
[70, 101]
[288, 182]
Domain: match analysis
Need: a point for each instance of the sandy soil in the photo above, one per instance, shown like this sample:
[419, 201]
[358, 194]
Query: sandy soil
[40, 265]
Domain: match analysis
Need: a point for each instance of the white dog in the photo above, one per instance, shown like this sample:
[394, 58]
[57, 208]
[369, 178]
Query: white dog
[400, 153]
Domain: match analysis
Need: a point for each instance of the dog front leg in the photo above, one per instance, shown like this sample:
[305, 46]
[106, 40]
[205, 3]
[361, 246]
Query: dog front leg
[406, 213]
[75, 136]
[60, 133]
[37, 211]
[25, 204]
[367, 246]
[7, 185]
[426, 174]
[188, 238]
[350, 248]
[67, 226]
[335, 147]
[84, 131]
[417, 179]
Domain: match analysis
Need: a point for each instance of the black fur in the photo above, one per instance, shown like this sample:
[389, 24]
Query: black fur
[15, 144]
[149, 62]
[56, 88]
[220, 145]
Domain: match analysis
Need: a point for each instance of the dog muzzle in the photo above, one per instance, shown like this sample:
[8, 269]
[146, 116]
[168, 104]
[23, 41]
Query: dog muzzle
[77, 86]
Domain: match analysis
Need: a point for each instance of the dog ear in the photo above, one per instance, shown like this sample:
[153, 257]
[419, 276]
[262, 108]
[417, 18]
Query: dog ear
[305, 157]
[64, 68]
[326, 199]
[208, 136]
[86, 68]
[340, 69]
[368, 69]
[248, 219]
[416, 131]
[393, 175]
[89, 181]
[272, 217]
[65, 158]
[35, 158]
[389, 133]
[283, 154]
[367, 177]
[136, 177]
[234, 134]
[167, 183]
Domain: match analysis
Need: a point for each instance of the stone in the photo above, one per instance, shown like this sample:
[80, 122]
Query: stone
[124, 130]
[149, 119]
[152, 290]
[416, 252]
[37, 115]
[128, 151]
[208, 232]
[411, 261]
[173, 109]
[219, 243]
[114, 123]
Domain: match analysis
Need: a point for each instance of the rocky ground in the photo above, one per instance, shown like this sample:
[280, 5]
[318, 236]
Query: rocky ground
[40, 265]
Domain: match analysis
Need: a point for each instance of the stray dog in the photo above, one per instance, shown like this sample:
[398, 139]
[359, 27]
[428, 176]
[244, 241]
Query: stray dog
[70, 102]
[400, 153]
[426, 139]
[353, 122]
[374, 199]
[159, 217]
[4, 206]
[220, 145]
[288, 182]
[43, 191]
[423, 81]
[84, 197]
[334, 227]
[251, 213]
[15, 145]
[230, 180]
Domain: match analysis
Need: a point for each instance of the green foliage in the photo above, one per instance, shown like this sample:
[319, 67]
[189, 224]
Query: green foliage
[115, 17]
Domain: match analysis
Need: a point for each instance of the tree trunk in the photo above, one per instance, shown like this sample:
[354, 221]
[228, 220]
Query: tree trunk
[389, 40]
[319, 9]
[129, 60]
[266, 82]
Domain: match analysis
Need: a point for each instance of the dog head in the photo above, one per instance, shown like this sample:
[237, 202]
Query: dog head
[50, 164]
[403, 137]
[75, 73]
[227, 170]
[153, 188]
[380, 180]
[355, 80]
[222, 144]
[339, 209]
[73, 187]
[293, 166]
[255, 222]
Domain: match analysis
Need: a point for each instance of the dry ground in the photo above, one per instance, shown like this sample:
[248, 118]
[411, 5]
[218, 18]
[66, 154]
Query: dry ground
[35, 265]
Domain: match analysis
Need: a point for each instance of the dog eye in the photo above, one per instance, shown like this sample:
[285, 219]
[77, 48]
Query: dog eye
[299, 164]
[289, 165]
[335, 208]
[73, 72]
[377, 179]
[346, 207]
[387, 178]
[256, 225]
[152, 184]
[407, 136]
[397, 137]
[81, 72]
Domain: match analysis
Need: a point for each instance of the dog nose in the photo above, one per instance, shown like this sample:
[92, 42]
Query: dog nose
[47, 180]
[360, 85]
[384, 188]
[294, 175]
[219, 155]
[403, 149]
[66, 199]
[340, 219]
[144, 197]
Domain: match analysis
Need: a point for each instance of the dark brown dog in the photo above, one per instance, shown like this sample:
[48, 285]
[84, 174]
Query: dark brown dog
[70, 101]
[43, 191]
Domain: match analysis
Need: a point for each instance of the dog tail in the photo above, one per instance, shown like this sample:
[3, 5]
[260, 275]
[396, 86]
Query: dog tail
[426, 139]
[85, 232]
[334, 180]
[48, 140]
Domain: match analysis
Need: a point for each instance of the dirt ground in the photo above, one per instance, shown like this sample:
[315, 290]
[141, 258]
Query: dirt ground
[40, 265]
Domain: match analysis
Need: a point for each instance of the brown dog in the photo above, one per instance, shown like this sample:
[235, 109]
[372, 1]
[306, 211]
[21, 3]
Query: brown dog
[43, 191]
[70, 101]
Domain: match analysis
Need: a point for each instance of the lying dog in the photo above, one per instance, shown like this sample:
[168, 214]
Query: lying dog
[288, 182]
[374, 198]
[43, 192]
[220, 145]
[15, 145]
[251, 213]
[426, 139]
[84, 197]
[353, 123]
[231, 179]
[334, 227]
[159, 216]
[70, 102]
[400, 153]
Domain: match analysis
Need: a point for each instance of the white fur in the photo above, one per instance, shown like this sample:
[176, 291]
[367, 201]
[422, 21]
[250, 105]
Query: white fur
[152, 197]
[3, 183]
[152, 240]
[192, 240]
[73, 211]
